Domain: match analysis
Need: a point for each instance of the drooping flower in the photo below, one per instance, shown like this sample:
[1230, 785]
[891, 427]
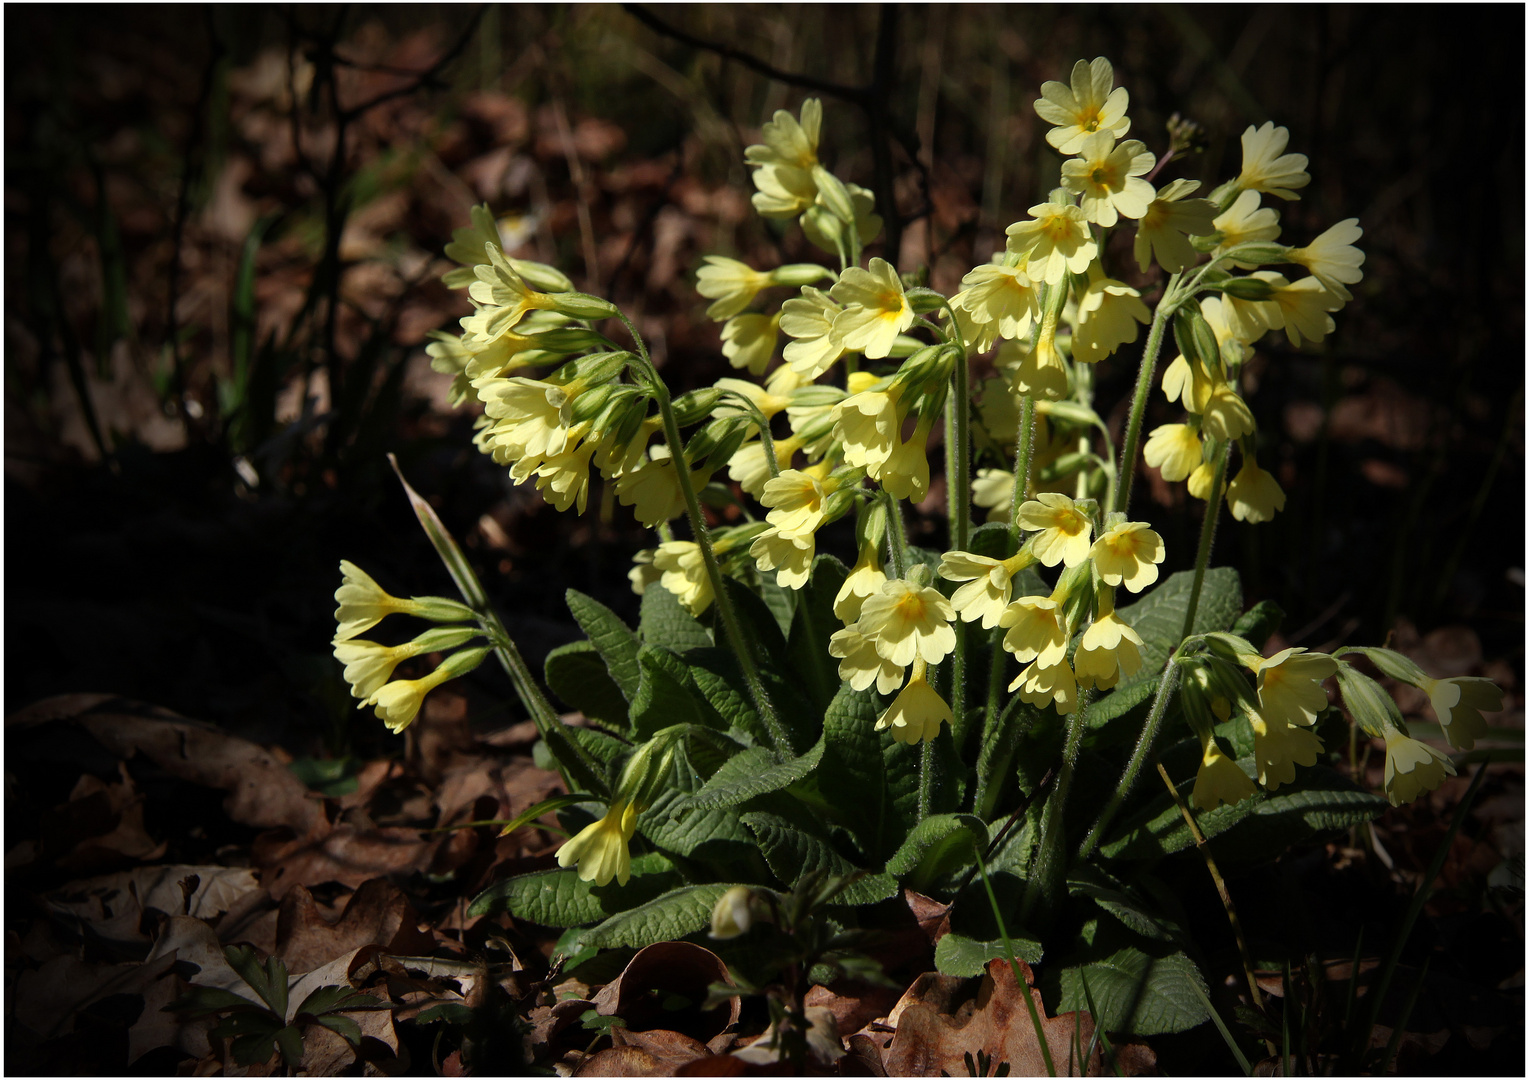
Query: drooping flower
[1278, 747]
[1290, 684]
[1253, 494]
[796, 498]
[993, 489]
[1265, 165]
[599, 851]
[1225, 416]
[1249, 320]
[789, 556]
[1064, 529]
[731, 915]
[1040, 372]
[809, 320]
[563, 479]
[652, 489]
[1219, 780]
[1128, 553]
[730, 285]
[905, 473]
[1092, 103]
[865, 579]
[1164, 230]
[867, 423]
[1108, 179]
[1174, 450]
[860, 664]
[1244, 223]
[916, 714]
[1459, 703]
[1200, 481]
[1110, 651]
[1055, 241]
[1037, 630]
[875, 308]
[748, 340]
[363, 603]
[1109, 312]
[785, 160]
[1412, 767]
[909, 621]
[503, 296]
[750, 468]
[397, 703]
[1332, 258]
[1305, 305]
[1040, 686]
[533, 416]
[683, 570]
[997, 302]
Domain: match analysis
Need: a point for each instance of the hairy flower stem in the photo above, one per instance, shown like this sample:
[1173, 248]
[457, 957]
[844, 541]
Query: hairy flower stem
[1207, 538]
[1024, 454]
[1049, 876]
[1160, 317]
[1144, 743]
[958, 494]
[729, 618]
[925, 777]
[897, 537]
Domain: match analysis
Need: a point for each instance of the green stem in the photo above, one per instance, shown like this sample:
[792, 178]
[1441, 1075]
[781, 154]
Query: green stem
[1024, 453]
[925, 777]
[1207, 538]
[958, 494]
[724, 604]
[1050, 862]
[1127, 471]
[897, 537]
[1019, 979]
[1138, 758]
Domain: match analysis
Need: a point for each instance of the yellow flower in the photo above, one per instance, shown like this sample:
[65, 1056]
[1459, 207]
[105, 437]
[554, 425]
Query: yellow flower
[809, 320]
[1064, 529]
[1108, 314]
[865, 579]
[1108, 179]
[797, 499]
[533, 415]
[1244, 223]
[860, 664]
[989, 584]
[748, 341]
[643, 573]
[867, 423]
[729, 284]
[600, 850]
[999, 302]
[909, 621]
[1219, 780]
[1459, 703]
[1249, 320]
[731, 915]
[397, 703]
[1041, 686]
[1200, 481]
[504, 295]
[905, 473]
[1290, 684]
[1254, 495]
[751, 470]
[1412, 767]
[368, 665]
[1128, 553]
[684, 574]
[1279, 747]
[789, 556]
[364, 604]
[1056, 240]
[915, 714]
[1089, 105]
[1332, 258]
[1305, 305]
[1040, 372]
[784, 162]
[1189, 382]
[1110, 651]
[652, 489]
[875, 309]
[1174, 450]
[1170, 220]
[1226, 415]
[1265, 165]
[563, 479]
[468, 246]
[1037, 630]
[994, 491]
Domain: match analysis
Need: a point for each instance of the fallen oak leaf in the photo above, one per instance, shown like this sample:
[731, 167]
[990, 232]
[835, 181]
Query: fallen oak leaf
[377, 913]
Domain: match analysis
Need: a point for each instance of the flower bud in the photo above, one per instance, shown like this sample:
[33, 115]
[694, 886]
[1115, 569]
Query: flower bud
[583, 306]
[1248, 288]
[460, 663]
[1258, 254]
[733, 913]
[1396, 665]
[1195, 338]
[834, 195]
[440, 609]
[695, 405]
[1368, 703]
[795, 274]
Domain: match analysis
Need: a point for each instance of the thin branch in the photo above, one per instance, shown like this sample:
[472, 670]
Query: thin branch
[426, 77]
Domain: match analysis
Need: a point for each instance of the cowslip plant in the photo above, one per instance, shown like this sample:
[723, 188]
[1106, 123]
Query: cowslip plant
[777, 716]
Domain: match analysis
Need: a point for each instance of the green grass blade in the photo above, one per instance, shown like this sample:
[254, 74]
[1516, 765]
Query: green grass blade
[1226, 1035]
[1008, 949]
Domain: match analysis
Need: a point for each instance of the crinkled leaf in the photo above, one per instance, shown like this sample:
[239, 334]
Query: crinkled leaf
[1159, 616]
[780, 601]
[577, 673]
[792, 851]
[812, 624]
[559, 898]
[937, 844]
[664, 621]
[754, 772]
[673, 823]
[715, 674]
[1122, 902]
[860, 792]
[616, 644]
[993, 540]
[1135, 991]
[964, 957]
[665, 695]
[665, 918]
[1001, 740]
[1259, 622]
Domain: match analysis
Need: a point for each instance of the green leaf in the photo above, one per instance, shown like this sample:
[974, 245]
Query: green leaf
[812, 624]
[664, 694]
[1136, 991]
[546, 806]
[938, 844]
[290, 1040]
[609, 635]
[668, 917]
[859, 791]
[966, 957]
[664, 621]
[754, 772]
[1122, 700]
[202, 1001]
[328, 999]
[993, 541]
[558, 898]
[792, 851]
[578, 674]
[763, 633]
[1121, 902]
[781, 602]
[270, 981]
[344, 1027]
[715, 674]
[1159, 616]
[995, 760]
[674, 824]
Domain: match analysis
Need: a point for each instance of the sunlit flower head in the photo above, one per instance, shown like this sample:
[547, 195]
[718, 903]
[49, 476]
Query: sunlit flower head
[368, 665]
[533, 415]
[1128, 554]
[1055, 240]
[730, 285]
[909, 621]
[751, 469]
[809, 321]
[1279, 747]
[905, 473]
[1224, 415]
[1110, 651]
[1040, 686]
[600, 850]
[868, 424]
[1092, 103]
[1304, 306]
[785, 160]
[1037, 630]
[363, 603]
[989, 583]
[1108, 178]
[993, 490]
[1064, 529]
[684, 574]
[1174, 450]
[865, 579]
[1200, 481]
[1412, 767]
[563, 479]
[1290, 685]
[1253, 494]
[789, 556]
[1244, 222]
[1219, 780]
[1040, 372]
[916, 714]
[1109, 312]
[748, 341]
[503, 297]
[860, 664]
[796, 498]
[1183, 380]
[1249, 320]
[1459, 703]
[997, 302]
[875, 308]
[1172, 218]
[1265, 165]
[1332, 258]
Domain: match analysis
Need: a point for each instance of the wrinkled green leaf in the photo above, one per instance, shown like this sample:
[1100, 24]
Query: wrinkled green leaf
[812, 624]
[860, 792]
[616, 644]
[792, 851]
[754, 772]
[664, 694]
[668, 917]
[1136, 991]
[664, 621]
[577, 673]
[715, 674]
[1134, 911]
[937, 844]
[966, 957]
[1159, 616]
[558, 898]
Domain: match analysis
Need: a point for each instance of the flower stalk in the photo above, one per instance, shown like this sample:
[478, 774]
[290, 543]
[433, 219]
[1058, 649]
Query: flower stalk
[1127, 472]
